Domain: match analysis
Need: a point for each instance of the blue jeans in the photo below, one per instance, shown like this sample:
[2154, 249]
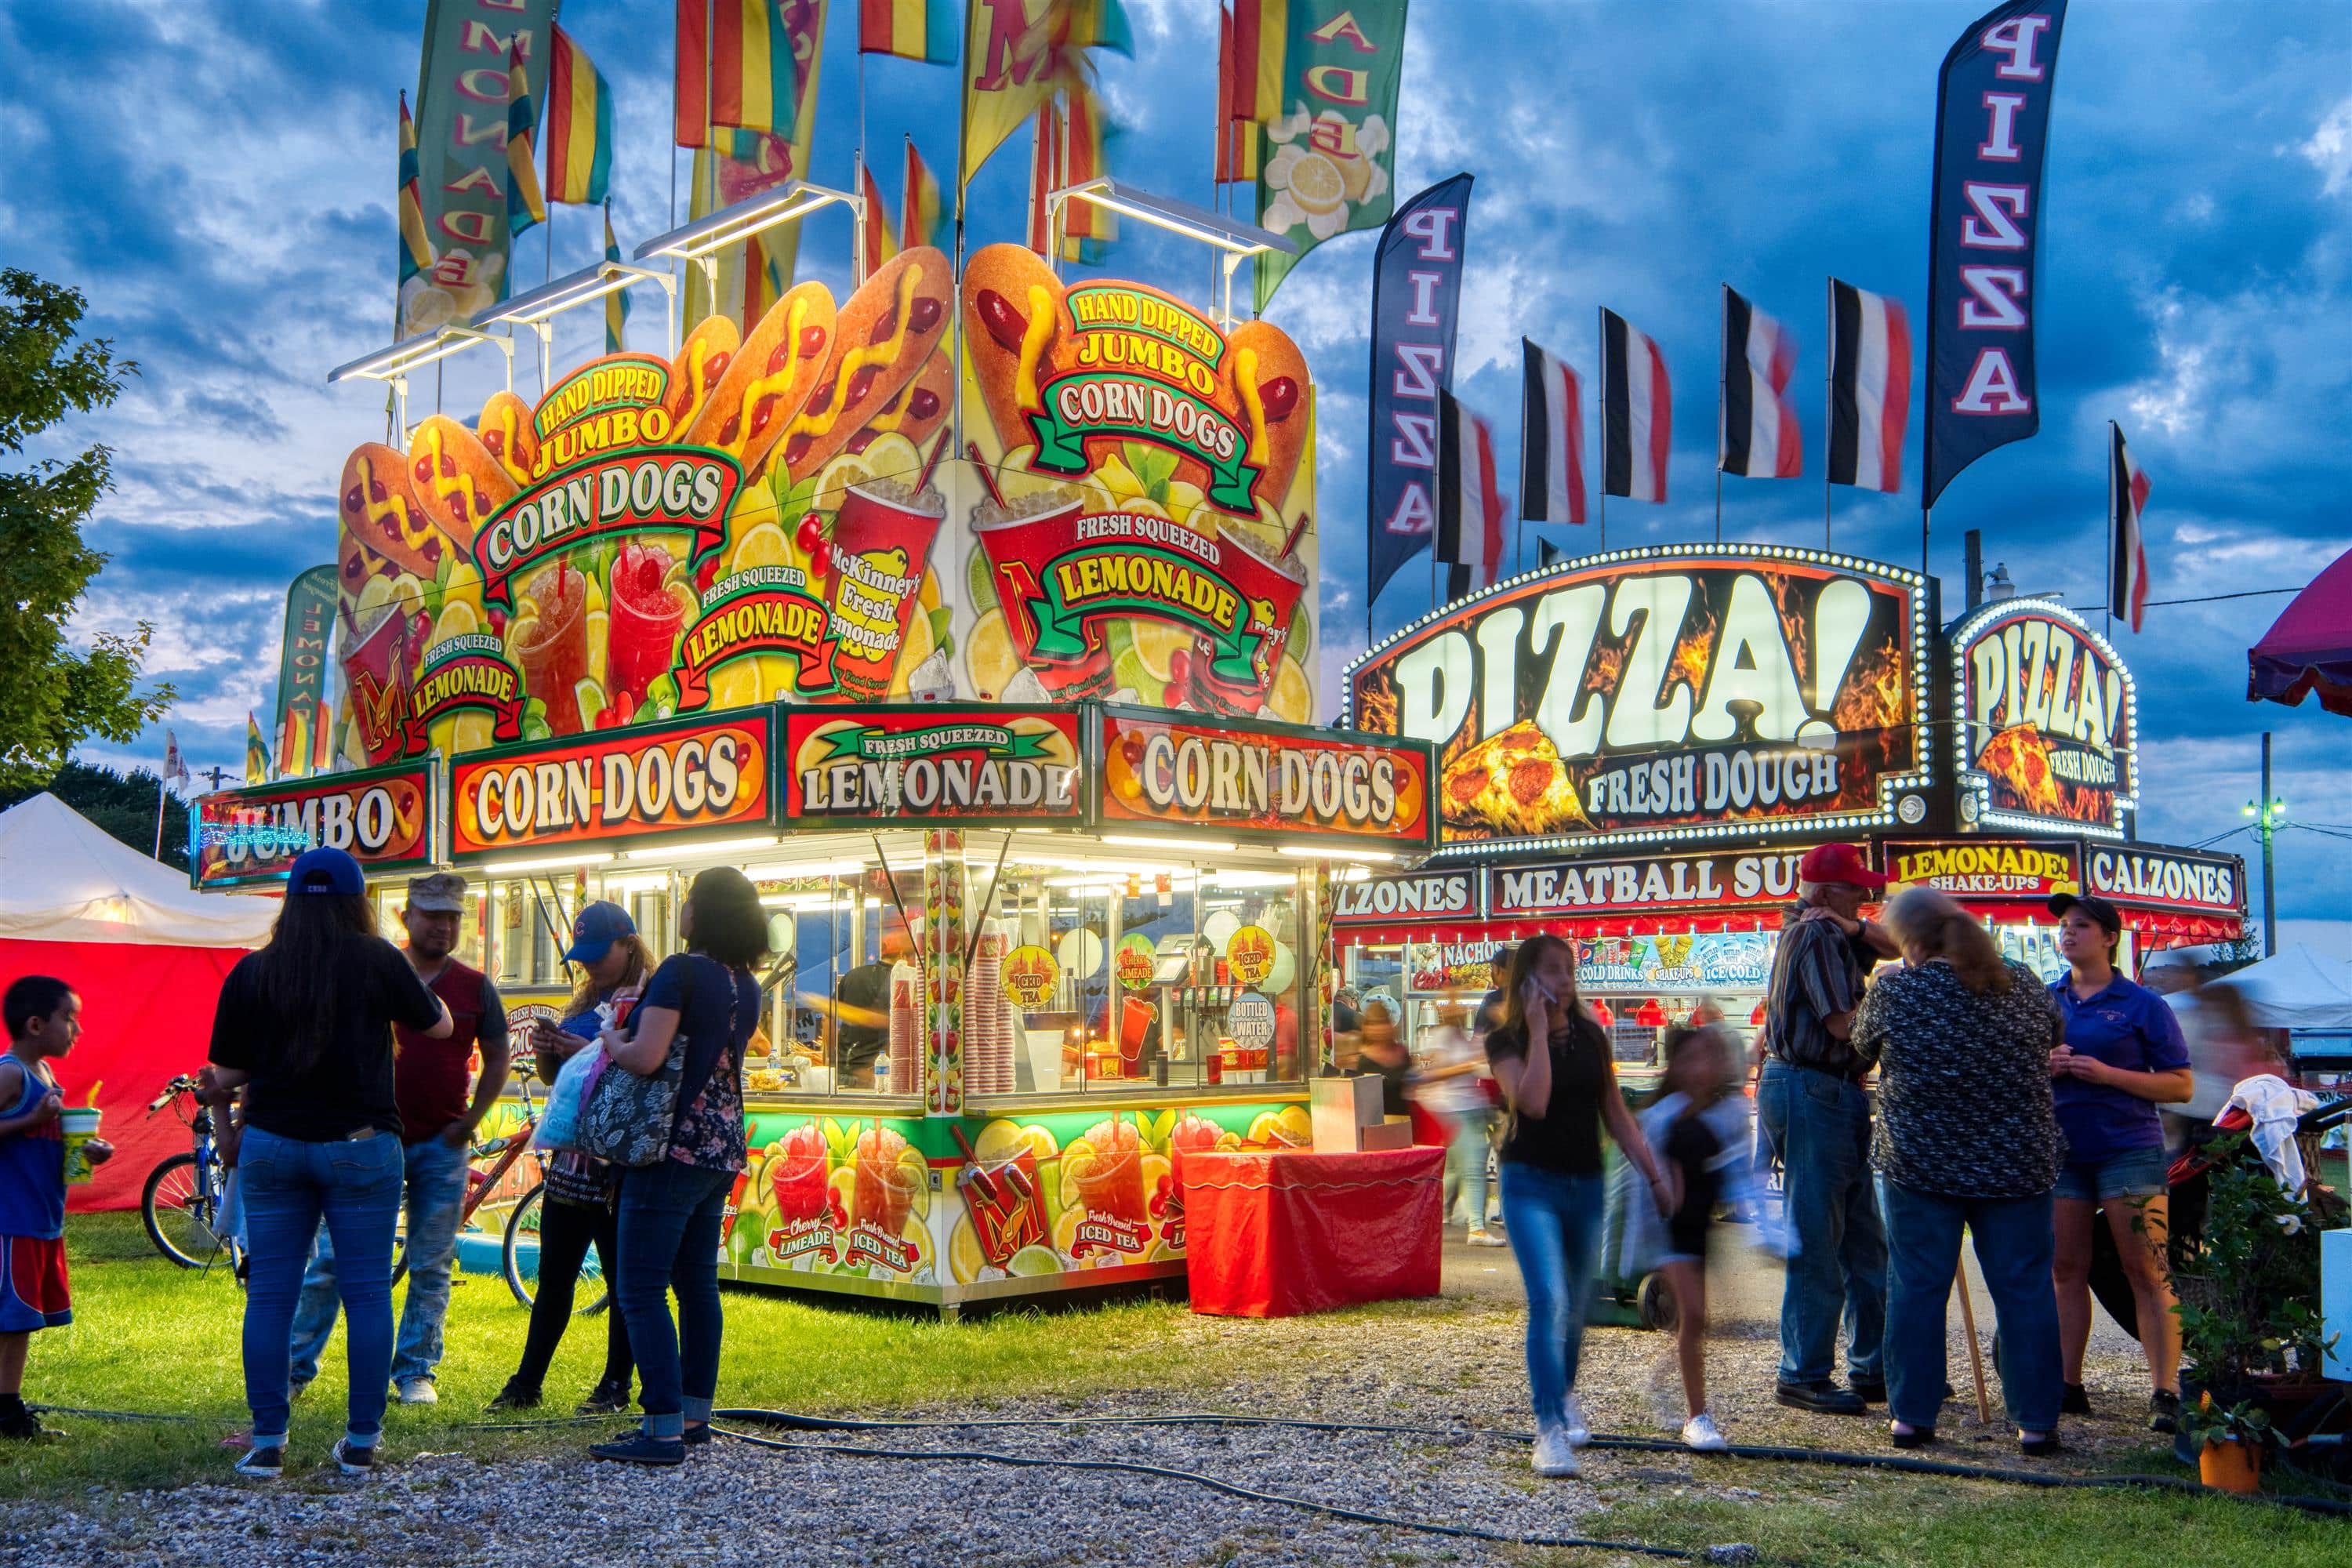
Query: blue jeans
[287, 1187]
[1555, 1225]
[1819, 1126]
[669, 1241]
[2015, 1247]
[1466, 1162]
[436, 1186]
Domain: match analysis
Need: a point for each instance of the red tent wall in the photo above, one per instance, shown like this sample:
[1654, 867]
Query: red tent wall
[146, 1015]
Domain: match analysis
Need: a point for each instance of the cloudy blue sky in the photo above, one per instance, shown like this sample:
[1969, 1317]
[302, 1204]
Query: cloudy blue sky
[216, 176]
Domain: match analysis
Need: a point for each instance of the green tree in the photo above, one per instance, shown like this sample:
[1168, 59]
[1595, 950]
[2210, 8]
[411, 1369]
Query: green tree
[52, 697]
[125, 805]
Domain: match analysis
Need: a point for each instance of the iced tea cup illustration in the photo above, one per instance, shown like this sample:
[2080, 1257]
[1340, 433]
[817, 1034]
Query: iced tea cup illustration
[874, 562]
[553, 651]
[885, 1184]
[1110, 1181]
[1021, 539]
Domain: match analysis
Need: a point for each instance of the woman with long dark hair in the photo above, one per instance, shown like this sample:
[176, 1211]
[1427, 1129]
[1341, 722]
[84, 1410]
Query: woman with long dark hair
[577, 1210]
[700, 1009]
[1560, 1087]
[1965, 1137]
[304, 1025]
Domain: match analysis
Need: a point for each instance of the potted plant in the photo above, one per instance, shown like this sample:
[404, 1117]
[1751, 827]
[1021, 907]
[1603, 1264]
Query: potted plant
[2229, 1442]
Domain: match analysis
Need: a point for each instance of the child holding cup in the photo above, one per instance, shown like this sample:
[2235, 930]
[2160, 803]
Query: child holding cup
[44, 1019]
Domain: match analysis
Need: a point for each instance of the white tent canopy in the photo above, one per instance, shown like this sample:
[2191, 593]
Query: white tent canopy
[64, 878]
[2293, 989]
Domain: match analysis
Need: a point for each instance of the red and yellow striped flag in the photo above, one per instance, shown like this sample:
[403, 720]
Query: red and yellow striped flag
[910, 29]
[919, 219]
[735, 69]
[881, 245]
[579, 125]
[1086, 227]
[525, 205]
[1254, 60]
[415, 248]
[1237, 134]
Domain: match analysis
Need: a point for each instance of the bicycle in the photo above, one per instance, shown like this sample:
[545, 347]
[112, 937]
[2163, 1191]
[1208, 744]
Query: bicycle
[185, 1194]
[488, 1186]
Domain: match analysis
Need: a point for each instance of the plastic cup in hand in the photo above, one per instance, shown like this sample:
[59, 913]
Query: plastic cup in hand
[80, 1125]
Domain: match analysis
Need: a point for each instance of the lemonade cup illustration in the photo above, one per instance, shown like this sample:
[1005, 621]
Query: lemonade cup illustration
[647, 610]
[875, 562]
[79, 1125]
[549, 641]
[1270, 587]
[1018, 544]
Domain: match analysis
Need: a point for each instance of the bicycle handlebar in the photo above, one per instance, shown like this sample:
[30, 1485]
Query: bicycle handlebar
[179, 1086]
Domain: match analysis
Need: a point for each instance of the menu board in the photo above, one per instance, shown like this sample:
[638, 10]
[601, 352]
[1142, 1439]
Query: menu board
[383, 816]
[677, 780]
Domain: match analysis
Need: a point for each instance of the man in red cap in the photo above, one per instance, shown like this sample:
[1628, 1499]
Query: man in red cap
[1816, 1119]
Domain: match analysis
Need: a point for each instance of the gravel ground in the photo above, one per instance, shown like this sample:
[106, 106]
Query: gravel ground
[1453, 1364]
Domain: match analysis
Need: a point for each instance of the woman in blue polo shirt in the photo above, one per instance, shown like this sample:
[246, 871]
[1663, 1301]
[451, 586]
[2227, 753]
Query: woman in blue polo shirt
[2122, 1057]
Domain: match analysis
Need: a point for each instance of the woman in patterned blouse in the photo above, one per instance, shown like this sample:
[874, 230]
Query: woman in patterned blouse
[1966, 1136]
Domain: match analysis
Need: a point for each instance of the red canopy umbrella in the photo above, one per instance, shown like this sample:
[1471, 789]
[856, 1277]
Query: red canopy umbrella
[2309, 647]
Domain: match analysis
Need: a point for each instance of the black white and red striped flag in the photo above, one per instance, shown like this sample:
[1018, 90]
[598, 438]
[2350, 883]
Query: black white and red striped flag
[1551, 439]
[1870, 388]
[2127, 594]
[1469, 507]
[1637, 413]
[1759, 438]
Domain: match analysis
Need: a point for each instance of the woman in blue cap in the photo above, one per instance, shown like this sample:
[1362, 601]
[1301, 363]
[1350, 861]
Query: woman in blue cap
[304, 1025]
[577, 1211]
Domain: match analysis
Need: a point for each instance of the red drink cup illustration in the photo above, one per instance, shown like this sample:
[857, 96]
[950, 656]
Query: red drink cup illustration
[798, 1175]
[1110, 1181]
[886, 1182]
[1022, 540]
[875, 561]
[553, 651]
[647, 611]
[1135, 1016]
[1270, 588]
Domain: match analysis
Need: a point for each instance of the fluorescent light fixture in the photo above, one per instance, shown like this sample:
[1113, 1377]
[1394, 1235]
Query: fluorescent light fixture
[732, 224]
[544, 863]
[549, 299]
[1173, 846]
[1334, 852]
[1253, 880]
[637, 884]
[397, 360]
[690, 851]
[1209, 228]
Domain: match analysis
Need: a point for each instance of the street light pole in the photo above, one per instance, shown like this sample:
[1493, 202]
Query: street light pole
[2267, 816]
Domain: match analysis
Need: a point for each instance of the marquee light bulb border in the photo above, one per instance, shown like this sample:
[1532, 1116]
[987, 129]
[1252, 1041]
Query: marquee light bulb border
[1975, 789]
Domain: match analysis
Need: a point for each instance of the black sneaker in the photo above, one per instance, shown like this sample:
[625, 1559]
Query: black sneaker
[2164, 1411]
[2074, 1400]
[353, 1460]
[19, 1425]
[607, 1399]
[637, 1448]
[263, 1464]
[1869, 1390]
[1823, 1398]
[515, 1396]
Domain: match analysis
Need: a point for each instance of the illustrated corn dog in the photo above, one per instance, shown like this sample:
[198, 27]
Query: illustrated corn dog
[769, 381]
[1015, 313]
[382, 518]
[455, 479]
[1268, 375]
[703, 362]
[919, 410]
[505, 428]
[885, 332]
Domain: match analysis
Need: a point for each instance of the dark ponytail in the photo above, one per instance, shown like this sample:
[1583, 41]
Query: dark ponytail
[303, 970]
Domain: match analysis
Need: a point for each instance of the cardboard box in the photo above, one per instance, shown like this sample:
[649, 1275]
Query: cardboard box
[1395, 1133]
[1339, 1109]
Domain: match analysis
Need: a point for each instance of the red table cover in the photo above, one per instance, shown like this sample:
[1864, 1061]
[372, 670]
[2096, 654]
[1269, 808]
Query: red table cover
[1273, 1234]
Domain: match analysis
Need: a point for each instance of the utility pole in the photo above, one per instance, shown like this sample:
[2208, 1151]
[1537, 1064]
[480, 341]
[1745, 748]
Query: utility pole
[2267, 816]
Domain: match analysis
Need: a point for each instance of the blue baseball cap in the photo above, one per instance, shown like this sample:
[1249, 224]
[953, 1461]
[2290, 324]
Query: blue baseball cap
[325, 870]
[598, 927]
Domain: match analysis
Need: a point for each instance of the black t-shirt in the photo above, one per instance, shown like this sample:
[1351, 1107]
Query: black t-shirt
[1693, 1148]
[1392, 1079]
[1565, 1139]
[348, 1085]
[867, 988]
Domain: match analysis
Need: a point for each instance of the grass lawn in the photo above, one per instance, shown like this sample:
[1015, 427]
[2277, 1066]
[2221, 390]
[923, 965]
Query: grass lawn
[151, 1337]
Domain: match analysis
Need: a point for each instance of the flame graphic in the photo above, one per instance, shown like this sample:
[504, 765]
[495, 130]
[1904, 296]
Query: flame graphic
[1691, 654]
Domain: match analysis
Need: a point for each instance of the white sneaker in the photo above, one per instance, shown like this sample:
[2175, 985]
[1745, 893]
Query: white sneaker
[1484, 1237]
[1572, 1425]
[1555, 1456]
[1700, 1436]
[419, 1391]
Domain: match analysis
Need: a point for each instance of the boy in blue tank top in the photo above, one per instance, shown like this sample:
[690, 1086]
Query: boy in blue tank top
[44, 1019]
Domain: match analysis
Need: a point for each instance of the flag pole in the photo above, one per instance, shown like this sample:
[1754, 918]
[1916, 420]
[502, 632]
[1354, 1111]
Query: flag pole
[1600, 320]
[1519, 535]
[2107, 610]
[858, 170]
[1722, 374]
[162, 788]
[1829, 415]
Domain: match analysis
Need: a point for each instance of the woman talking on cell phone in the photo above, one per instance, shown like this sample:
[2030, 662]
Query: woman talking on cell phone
[1560, 1087]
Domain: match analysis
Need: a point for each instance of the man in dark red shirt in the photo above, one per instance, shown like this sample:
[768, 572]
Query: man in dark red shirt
[441, 1101]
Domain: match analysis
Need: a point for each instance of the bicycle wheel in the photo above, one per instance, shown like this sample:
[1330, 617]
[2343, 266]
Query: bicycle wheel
[180, 1214]
[520, 1258]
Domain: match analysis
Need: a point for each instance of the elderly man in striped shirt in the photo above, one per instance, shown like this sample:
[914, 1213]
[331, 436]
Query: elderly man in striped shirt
[1816, 1119]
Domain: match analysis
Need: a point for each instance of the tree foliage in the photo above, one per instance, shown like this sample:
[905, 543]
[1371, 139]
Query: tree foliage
[53, 696]
[123, 804]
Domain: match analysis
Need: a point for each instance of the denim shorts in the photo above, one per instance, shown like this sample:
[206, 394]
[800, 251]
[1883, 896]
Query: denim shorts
[2133, 1174]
